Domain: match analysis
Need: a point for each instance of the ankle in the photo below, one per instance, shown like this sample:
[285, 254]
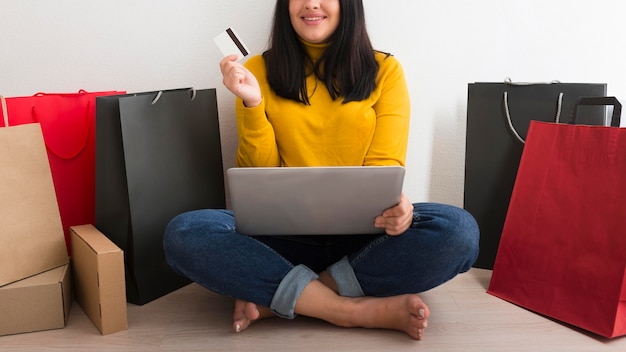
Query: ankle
[351, 313]
[328, 281]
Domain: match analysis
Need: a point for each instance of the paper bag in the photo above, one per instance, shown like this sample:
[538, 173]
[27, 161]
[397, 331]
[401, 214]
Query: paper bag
[498, 115]
[31, 236]
[562, 252]
[158, 154]
[69, 130]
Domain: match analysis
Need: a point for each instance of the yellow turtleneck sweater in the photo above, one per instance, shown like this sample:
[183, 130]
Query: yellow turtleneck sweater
[282, 132]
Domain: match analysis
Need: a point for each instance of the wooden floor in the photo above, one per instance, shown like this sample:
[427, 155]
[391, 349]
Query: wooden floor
[463, 318]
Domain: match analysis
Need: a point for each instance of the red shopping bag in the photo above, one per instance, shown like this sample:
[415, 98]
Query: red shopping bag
[563, 247]
[68, 124]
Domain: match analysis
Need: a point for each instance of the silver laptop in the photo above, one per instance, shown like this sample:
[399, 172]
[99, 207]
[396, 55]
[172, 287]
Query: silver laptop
[312, 200]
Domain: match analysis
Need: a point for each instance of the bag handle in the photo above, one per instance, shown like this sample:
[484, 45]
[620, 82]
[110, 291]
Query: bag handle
[80, 92]
[509, 81]
[5, 113]
[67, 150]
[160, 93]
[559, 107]
[617, 108]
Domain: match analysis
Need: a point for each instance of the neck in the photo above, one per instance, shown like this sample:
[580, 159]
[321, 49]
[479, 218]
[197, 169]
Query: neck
[315, 51]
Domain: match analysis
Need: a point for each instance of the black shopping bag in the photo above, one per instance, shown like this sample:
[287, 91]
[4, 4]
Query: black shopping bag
[158, 154]
[498, 116]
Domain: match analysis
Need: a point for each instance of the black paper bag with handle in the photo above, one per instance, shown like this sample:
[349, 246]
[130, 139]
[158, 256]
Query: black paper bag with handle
[498, 116]
[158, 154]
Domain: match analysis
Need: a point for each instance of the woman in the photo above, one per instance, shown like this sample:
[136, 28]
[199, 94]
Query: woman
[322, 96]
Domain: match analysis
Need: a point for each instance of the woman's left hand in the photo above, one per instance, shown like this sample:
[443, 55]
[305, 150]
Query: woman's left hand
[398, 219]
[240, 81]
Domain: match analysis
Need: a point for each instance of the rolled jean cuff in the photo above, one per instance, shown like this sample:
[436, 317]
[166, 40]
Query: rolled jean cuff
[345, 278]
[284, 301]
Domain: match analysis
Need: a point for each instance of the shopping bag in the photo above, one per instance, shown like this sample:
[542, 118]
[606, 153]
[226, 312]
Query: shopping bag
[68, 124]
[158, 154]
[31, 236]
[563, 248]
[497, 122]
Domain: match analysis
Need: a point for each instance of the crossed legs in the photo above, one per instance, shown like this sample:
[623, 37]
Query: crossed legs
[374, 287]
[319, 299]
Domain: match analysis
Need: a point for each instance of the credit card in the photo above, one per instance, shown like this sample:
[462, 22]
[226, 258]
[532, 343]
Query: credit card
[229, 43]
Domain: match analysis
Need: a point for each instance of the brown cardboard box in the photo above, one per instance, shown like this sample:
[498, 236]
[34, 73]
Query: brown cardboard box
[40, 302]
[99, 284]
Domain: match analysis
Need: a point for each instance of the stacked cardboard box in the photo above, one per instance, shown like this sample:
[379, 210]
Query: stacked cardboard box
[43, 301]
[40, 302]
[35, 279]
[35, 289]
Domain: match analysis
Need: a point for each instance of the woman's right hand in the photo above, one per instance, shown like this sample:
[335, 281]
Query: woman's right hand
[240, 81]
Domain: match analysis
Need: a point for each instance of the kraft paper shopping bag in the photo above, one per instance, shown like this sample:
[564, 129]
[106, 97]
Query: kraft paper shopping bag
[31, 236]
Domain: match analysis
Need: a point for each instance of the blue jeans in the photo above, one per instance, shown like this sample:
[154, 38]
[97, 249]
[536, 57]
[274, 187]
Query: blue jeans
[272, 271]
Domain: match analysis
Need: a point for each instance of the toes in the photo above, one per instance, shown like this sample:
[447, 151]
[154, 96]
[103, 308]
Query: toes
[418, 323]
[245, 314]
[416, 332]
[418, 307]
[241, 325]
[240, 316]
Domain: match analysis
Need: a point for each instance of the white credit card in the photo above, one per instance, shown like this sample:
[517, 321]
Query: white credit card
[229, 44]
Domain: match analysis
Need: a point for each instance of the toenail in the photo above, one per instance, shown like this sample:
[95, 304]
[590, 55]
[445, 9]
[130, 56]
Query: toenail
[425, 324]
[237, 328]
[422, 313]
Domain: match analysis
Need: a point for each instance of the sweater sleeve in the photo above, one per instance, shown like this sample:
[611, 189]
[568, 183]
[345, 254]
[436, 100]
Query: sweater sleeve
[390, 141]
[256, 139]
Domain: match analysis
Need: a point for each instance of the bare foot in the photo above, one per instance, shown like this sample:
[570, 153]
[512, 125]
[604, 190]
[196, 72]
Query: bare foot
[247, 313]
[406, 313]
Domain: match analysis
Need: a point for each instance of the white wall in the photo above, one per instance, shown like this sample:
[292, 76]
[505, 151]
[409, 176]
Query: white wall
[141, 45]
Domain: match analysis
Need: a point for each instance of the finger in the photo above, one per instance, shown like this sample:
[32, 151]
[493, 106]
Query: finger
[229, 58]
[223, 63]
[228, 63]
[233, 76]
[395, 225]
[399, 210]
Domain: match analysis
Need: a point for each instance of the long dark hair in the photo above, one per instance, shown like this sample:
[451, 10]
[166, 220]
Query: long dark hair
[347, 68]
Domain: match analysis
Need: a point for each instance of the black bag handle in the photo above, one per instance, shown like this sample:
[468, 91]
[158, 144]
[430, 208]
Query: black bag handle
[617, 108]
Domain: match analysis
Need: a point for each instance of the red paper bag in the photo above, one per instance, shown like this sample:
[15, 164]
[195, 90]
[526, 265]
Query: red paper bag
[68, 124]
[563, 247]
